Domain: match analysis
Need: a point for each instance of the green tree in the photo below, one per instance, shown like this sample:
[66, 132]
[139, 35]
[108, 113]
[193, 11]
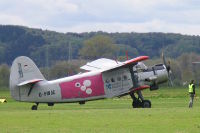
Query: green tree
[97, 47]
[62, 69]
[188, 69]
[4, 75]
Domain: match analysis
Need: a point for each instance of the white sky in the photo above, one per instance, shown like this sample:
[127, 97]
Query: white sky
[174, 16]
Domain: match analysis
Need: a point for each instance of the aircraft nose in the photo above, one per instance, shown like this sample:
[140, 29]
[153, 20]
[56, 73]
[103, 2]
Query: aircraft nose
[161, 72]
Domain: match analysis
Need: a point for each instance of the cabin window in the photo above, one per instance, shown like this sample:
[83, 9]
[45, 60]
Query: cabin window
[118, 78]
[77, 84]
[107, 81]
[125, 77]
[112, 80]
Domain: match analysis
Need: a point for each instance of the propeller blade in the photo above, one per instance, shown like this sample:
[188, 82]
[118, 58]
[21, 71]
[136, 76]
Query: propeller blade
[164, 60]
[169, 72]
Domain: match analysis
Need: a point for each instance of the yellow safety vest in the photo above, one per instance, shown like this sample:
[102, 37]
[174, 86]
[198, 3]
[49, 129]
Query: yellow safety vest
[191, 88]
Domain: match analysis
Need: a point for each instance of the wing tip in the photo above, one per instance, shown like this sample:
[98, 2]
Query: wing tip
[137, 59]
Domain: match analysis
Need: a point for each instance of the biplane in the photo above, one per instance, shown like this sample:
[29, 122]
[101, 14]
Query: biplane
[104, 78]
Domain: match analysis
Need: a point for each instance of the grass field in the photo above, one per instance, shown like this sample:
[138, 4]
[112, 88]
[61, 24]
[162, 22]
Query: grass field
[169, 114]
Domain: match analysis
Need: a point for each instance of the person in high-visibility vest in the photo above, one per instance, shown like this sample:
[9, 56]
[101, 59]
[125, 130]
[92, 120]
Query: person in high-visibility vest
[191, 92]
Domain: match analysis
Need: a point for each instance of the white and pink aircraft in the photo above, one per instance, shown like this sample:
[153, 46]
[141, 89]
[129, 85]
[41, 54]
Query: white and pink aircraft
[104, 78]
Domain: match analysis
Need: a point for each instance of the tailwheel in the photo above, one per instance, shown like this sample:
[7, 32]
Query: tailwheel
[146, 104]
[34, 107]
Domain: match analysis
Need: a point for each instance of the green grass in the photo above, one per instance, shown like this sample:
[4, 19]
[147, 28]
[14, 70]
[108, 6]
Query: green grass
[169, 114]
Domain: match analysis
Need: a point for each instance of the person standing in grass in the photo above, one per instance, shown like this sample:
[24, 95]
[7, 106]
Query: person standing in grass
[191, 92]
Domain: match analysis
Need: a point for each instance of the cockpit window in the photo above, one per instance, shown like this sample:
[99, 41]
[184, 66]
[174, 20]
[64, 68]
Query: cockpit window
[140, 67]
[158, 67]
[125, 77]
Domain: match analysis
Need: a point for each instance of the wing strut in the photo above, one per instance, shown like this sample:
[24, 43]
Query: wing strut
[29, 92]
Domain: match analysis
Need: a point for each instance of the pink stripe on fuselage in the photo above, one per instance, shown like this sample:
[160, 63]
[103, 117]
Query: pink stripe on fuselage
[83, 87]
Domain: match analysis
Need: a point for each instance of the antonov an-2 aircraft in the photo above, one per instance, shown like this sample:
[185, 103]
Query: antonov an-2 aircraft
[104, 78]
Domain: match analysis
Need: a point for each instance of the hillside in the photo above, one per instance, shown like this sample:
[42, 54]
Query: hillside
[39, 44]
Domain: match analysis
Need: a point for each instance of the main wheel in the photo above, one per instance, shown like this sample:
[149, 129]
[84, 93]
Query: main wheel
[34, 107]
[137, 104]
[146, 104]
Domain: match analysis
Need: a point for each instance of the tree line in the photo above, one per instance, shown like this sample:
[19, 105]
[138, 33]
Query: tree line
[48, 46]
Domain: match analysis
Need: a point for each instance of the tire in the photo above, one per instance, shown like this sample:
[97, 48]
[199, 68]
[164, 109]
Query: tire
[34, 107]
[134, 104]
[137, 104]
[146, 104]
[50, 104]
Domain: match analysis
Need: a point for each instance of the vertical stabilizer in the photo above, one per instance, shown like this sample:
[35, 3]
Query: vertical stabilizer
[23, 69]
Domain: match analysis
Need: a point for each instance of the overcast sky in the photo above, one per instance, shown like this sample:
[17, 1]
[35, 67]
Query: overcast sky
[174, 16]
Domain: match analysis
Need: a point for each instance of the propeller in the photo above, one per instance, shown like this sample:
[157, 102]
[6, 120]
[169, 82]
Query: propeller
[168, 67]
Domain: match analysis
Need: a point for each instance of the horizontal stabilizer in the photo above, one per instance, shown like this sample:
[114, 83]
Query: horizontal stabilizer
[32, 81]
[3, 101]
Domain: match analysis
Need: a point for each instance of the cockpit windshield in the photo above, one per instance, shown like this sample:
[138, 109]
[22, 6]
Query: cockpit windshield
[140, 67]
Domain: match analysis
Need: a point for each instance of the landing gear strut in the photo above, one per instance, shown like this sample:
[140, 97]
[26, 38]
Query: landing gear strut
[140, 102]
[34, 107]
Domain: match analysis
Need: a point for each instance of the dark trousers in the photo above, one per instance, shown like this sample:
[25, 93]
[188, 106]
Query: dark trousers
[191, 100]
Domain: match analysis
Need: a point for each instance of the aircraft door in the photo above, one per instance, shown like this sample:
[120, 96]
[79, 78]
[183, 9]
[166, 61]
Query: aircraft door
[117, 82]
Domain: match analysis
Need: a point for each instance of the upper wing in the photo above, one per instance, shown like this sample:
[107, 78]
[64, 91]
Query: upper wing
[100, 64]
[104, 64]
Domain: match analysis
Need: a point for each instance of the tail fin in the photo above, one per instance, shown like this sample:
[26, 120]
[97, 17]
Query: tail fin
[23, 71]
